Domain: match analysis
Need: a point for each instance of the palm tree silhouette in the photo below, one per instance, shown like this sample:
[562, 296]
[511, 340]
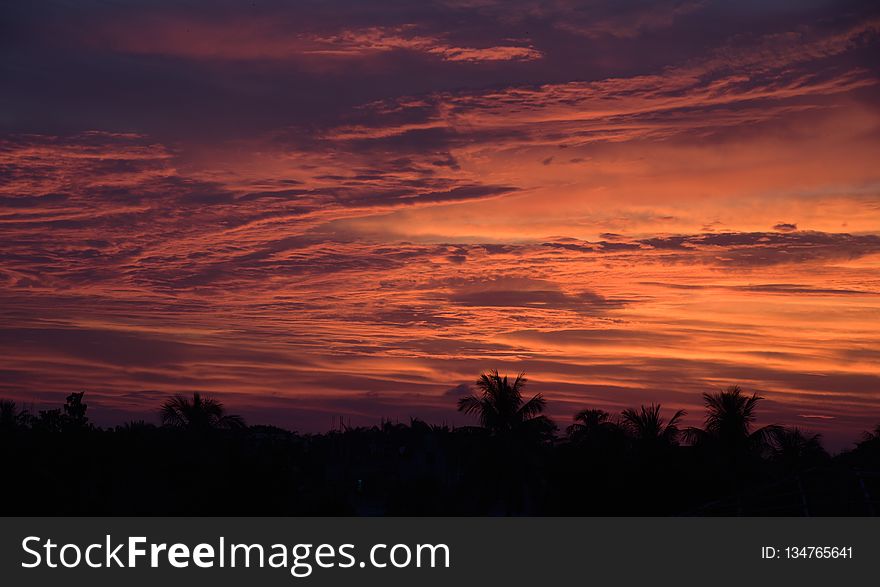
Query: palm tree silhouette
[869, 445]
[729, 420]
[512, 459]
[589, 420]
[198, 414]
[646, 425]
[500, 406]
[794, 449]
[592, 425]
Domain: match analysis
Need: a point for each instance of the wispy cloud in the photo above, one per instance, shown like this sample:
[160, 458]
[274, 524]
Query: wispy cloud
[328, 209]
[257, 39]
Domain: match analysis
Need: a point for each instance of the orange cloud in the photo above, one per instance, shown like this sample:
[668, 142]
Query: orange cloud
[622, 237]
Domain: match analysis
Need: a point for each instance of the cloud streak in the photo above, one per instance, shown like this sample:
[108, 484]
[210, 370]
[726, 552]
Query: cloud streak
[259, 39]
[335, 210]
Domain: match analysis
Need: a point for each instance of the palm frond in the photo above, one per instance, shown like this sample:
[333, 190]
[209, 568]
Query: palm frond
[695, 436]
[469, 404]
[533, 407]
[198, 413]
[231, 422]
[765, 435]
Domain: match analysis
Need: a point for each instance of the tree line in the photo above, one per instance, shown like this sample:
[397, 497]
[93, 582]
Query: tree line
[203, 460]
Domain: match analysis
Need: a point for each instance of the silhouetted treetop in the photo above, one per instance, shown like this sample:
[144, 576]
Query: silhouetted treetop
[75, 410]
[500, 406]
[200, 413]
[730, 416]
[631, 464]
[648, 426]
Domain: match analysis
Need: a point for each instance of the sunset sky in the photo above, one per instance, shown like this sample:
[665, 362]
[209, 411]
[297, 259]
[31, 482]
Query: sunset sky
[317, 210]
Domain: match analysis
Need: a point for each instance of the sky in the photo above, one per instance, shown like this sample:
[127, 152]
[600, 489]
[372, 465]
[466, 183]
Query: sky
[347, 210]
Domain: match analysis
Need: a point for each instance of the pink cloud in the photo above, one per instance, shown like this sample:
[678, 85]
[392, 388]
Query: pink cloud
[257, 39]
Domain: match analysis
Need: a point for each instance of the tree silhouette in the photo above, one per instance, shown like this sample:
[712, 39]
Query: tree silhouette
[198, 414]
[866, 454]
[500, 406]
[10, 416]
[588, 421]
[730, 415]
[630, 464]
[594, 428]
[796, 450]
[50, 421]
[75, 411]
[647, 426]
[873, 436]
[510, 463]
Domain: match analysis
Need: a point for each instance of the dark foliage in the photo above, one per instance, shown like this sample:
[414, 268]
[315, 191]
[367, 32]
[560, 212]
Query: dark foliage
[205, 461]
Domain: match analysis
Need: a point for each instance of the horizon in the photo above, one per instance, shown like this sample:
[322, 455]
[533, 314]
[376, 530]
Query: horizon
[452, 420]
[560, 432]
[336, 210]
